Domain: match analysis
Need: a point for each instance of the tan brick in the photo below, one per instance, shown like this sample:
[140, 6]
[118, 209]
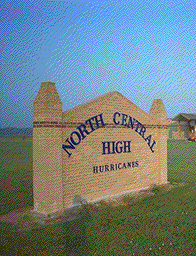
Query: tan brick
[65, 180]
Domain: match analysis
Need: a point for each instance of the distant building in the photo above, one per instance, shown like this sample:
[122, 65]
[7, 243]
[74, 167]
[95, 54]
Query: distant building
[182, 126]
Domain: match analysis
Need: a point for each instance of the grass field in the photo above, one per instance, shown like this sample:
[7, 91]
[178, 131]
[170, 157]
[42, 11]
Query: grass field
[163, 224]
[16, 168]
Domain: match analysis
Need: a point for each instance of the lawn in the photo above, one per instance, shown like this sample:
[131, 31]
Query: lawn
[182, 161]
[16, 166]
[163, 224]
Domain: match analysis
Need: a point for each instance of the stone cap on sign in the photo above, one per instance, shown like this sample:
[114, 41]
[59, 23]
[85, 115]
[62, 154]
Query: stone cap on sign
[48, 94]
[47, 105]
[158, 112]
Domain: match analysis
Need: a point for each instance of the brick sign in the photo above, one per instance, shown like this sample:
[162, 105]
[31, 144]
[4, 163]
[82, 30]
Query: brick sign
[103, 148]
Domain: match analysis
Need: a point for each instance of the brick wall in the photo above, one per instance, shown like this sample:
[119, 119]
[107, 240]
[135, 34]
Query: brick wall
[84, 171]
[79, 181]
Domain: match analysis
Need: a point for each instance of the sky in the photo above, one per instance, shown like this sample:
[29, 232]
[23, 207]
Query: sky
[143, 49]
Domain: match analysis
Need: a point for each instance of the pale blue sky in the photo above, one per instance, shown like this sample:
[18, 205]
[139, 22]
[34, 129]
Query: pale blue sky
[143, 49]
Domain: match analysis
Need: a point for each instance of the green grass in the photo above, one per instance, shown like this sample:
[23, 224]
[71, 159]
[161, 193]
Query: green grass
[163, 224]
[15, 173]
[182, 161]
